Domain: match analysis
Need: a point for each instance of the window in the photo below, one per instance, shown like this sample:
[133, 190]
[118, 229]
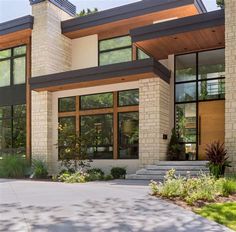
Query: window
[12, 129]
[101, 118]
[141, 55]
[128, 135]
[96, 101]
[115, 50]
[13, 66]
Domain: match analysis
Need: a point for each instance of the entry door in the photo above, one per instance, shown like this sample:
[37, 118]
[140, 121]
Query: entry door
[211, 125]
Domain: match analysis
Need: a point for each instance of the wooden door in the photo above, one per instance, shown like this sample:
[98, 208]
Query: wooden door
[211, 125]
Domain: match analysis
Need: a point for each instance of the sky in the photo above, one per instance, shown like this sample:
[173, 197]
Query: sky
[11, 9]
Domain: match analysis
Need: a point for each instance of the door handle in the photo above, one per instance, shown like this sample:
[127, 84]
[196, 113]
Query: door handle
[199, 130]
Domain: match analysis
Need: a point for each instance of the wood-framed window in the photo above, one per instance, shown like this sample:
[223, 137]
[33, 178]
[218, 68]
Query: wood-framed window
[109, 122]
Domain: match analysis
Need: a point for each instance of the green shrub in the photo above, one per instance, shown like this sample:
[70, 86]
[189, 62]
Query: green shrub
[95, 174]
[118, 173]
[14, 166]
[78, 177]
[108, 177]
[39, 169]
[204, 187]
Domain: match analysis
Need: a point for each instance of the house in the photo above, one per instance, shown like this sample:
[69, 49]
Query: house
[124, 77]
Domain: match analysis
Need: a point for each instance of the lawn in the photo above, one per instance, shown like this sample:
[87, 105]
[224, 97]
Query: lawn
[222, 213]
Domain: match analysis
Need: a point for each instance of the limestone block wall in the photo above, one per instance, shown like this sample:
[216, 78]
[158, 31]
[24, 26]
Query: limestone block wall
[230, 80]
[51, 53]
[154, 120]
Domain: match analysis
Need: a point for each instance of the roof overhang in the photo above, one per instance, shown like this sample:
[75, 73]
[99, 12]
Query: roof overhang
[130, 16]
[15, 30]
[103, 75]
[198, 32]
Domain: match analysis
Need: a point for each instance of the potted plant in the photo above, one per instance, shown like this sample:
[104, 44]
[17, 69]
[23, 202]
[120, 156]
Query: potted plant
[218, 158]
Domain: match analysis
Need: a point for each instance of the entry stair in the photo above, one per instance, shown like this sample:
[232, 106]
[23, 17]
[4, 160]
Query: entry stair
[158, 171]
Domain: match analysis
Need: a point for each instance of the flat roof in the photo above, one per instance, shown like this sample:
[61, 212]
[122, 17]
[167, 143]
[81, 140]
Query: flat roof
[107, 74]
[15, 25]
[126, 12]
[181, 35]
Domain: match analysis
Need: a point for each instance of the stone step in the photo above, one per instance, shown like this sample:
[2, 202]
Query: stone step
[182, 163]
[166, 168]
[163, 172]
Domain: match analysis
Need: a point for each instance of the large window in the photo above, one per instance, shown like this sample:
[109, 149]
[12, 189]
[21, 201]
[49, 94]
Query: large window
[198, 77]
[12, 66]
[108, 122]
[115, 50]
[12, 129]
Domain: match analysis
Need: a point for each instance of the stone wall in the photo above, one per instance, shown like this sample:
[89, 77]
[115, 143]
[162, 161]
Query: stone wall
[154, 120]
[230, 85]
[51, 53]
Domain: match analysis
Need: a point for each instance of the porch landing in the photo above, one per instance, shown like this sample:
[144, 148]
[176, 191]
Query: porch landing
[158, 171]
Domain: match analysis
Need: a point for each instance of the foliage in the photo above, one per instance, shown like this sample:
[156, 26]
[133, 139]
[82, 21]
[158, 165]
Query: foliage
[39, 169]
[72, 149]
[86, 12]
[14, 166]
[118, 173]
[218, 158]
[220, 3]
[78, 177]
[175, 149]
[223, 213]
[108, 177]
[95, 174]
[204, 187]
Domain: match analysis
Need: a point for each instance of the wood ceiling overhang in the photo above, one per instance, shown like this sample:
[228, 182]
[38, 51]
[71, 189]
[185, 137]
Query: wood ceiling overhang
[193, 33]
[102, 75]
[16, 32]
[121, 19]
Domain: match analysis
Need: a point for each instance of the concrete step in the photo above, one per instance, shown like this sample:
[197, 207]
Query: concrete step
[163, 173]
[182, 163]
[184, 168]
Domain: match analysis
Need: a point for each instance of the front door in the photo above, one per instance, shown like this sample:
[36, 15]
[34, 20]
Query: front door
[211, 124]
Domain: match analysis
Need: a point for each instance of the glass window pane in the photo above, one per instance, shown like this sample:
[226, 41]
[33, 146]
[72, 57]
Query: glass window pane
[129, 97]
[213, 89]
[185, 116]
[98, 131]
[67, 104]
[113, 43]
[185, 68]
[142, 55]
[96, 101]
[5, 53]
[185, 92]
[211, 64]
[5, 112]
[128, 135]
[5, 135]
[4, 73]
[19, 71]
[118, 56]
[190, 151]
[19, 133]
[19, 50]
[19, 111]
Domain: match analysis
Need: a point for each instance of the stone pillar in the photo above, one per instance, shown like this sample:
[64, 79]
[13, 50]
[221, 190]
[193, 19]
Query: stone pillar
[51, 53]
[230, 80]
[154, 120]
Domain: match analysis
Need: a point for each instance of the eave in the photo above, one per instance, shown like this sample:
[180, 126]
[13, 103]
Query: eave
[108, 74]
[129, 16]
[198, 32]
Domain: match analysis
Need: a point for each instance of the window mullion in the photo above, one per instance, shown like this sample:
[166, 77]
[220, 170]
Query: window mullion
[115, 125]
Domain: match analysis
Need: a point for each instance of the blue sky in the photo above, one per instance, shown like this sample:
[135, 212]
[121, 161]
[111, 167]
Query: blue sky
[10, 9]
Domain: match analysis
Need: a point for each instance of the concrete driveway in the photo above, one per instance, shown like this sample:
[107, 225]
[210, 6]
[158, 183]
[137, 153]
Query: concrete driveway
[98, 206]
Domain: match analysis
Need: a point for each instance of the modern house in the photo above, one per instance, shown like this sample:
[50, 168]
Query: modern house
[123, 77]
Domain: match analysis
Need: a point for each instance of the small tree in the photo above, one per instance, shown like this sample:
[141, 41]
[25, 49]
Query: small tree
[86, 12]
[220, 3]
[175, 149]
[72, 149]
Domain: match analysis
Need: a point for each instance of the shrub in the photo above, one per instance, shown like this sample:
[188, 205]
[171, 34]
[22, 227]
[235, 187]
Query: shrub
[218, 158]
[204, 187]
[118, 173]
[78, 177]
[95, 174]
[108, 177]
[14, 166]
[39, 169]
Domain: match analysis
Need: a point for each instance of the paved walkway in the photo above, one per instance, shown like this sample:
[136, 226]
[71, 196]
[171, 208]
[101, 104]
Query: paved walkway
[98, 206]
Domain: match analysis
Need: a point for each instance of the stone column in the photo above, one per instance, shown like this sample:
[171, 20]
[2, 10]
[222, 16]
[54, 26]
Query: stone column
[230, 80]
[154, 120]
[51, 53]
